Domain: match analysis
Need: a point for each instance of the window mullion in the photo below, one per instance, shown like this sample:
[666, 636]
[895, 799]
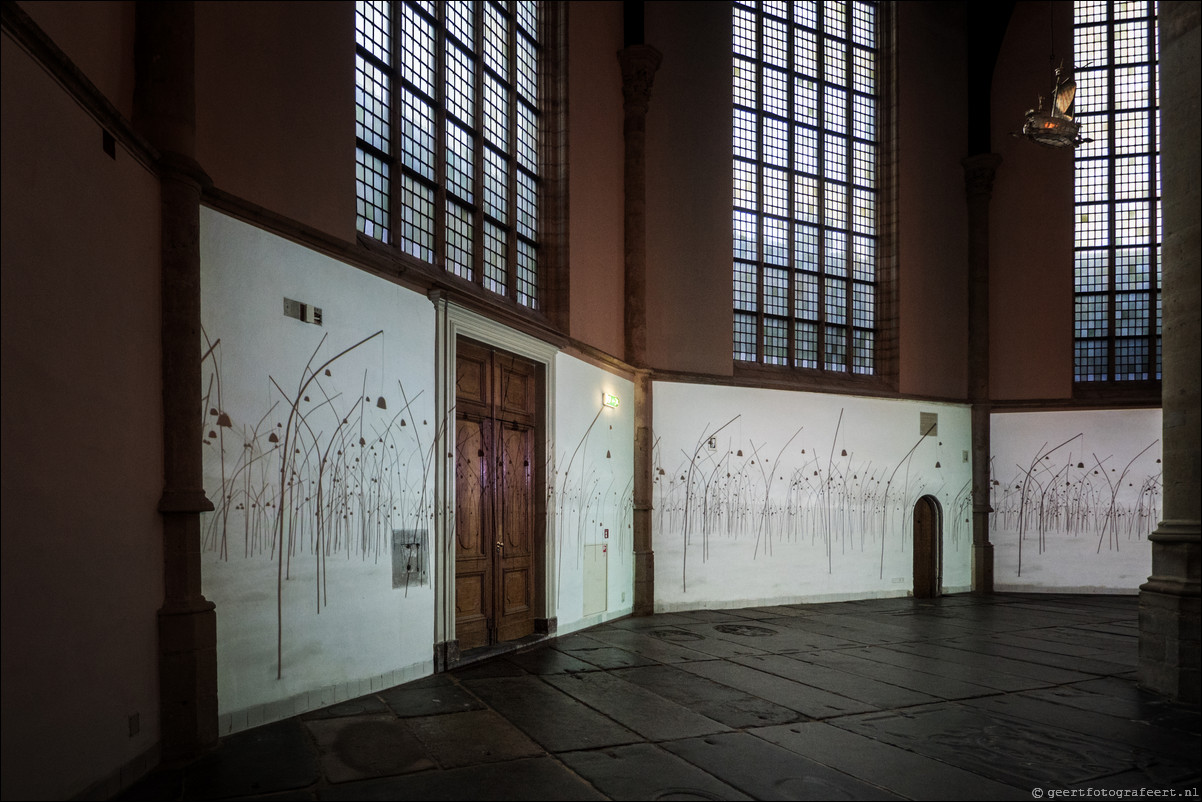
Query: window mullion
[848, 194]
[479, 239]
[440, 137]
[760, 228]
[791, 198]
[1154, 196]
[820, 177]
[511, 126]
[1112, 200]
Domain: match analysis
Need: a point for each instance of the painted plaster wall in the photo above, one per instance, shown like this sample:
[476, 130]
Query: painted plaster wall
[1031, 221]
[595, 193]
[82, 458]
[689, 189]
[804, 497]
[1075, 495]
[294, 423]
[99, 38]
[275, 107]
[594, 482]
[933, 250]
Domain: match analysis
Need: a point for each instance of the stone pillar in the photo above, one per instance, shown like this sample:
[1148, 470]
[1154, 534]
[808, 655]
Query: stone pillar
[1169, 601]
[639, 63]
[979, 172]
[644, 554]
[165, 112]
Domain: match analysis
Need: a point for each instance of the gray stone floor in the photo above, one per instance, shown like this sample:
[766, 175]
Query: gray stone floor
[963, 697]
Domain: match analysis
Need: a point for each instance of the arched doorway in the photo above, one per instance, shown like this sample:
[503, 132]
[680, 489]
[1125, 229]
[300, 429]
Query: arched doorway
[928, 542]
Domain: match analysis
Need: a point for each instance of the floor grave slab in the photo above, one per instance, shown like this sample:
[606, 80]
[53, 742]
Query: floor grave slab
[531, 778]
[982, 654]
[898, 770]
[1156, 744]
[763, 770]
[708, 698]
[777, 639]
[807, 700]
[649, 714]
[371, 704]
[549, 660]
[899, 657]
[478, 736]
[405, 700]
[645, 771]
[938, 686]
[664, 645]
[796, 667]
[602, 656]
[552, 718]
[1014, 751]
[367, 746]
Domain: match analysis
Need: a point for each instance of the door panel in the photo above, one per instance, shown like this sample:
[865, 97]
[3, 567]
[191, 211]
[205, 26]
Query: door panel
[497, 402]
[515, 619]
[473, 545]
[926, 550]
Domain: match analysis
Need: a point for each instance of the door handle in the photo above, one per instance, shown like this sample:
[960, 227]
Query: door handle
[500, 545]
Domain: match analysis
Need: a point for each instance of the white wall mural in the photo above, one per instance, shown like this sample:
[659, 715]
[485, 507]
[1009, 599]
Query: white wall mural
[1074, 497]
[317, 444]
[592, 493]
[767, 496]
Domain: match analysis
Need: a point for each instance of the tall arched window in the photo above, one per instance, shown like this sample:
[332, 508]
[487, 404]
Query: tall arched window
[1117, 245]
[805, 185]
[447, 132]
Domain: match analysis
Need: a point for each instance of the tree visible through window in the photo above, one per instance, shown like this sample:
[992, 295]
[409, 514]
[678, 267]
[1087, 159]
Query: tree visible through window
[805, 184]
[1117, 244]
[447, 130]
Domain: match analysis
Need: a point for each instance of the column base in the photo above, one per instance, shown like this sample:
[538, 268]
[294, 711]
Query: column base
[188, 682]
[982, 568]
[644, 583]
[1169, 613]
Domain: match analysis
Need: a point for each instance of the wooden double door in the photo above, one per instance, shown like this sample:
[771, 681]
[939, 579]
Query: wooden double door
[498, 496]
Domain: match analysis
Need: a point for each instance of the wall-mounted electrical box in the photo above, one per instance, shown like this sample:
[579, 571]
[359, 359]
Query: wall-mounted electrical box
[408, 557]
[306, 313]
[928, 424]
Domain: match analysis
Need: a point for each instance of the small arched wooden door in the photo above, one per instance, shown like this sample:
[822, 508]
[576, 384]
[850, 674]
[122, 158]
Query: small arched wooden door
[927, 541]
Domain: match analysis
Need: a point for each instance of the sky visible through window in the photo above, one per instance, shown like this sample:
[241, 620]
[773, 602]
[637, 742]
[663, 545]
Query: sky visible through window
[805, 184]
[1117, 265]
[447, 128]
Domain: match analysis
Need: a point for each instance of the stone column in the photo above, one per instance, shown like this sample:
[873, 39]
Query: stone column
[979, 172]
[639, 63]
[1169, 601]
[165, 112]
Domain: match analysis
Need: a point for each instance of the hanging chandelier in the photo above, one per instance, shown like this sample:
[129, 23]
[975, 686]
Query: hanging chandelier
[1055, 127]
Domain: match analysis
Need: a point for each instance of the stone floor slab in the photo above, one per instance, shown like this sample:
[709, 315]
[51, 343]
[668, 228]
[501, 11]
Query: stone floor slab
[645, 771]
[711, 699]
[528, 779]
[550, 717]
[810, 701]
[895, 769]
[478, 736]
[360, 747]
[763, 770]
[650, 715]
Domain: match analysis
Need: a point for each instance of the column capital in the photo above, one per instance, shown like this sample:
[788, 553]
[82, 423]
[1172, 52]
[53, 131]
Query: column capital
[979, 171]
[639, 64]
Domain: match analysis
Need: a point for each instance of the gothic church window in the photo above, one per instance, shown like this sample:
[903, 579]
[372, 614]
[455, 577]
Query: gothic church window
[447, 137]
[805, 216]
[1118, 211]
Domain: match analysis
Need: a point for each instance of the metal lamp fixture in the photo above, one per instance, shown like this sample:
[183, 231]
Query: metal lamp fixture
[1055, 127]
